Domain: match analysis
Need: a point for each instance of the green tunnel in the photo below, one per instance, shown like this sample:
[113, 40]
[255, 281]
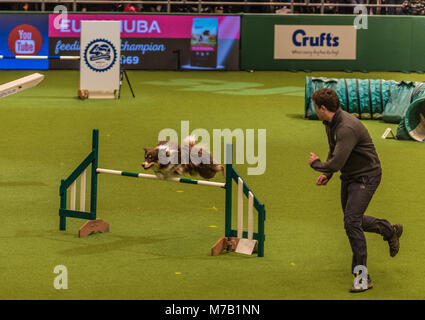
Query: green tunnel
[412, 126]
[365, 98]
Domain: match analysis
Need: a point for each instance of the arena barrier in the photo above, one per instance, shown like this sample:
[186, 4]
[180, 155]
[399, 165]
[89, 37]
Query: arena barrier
[238, 240]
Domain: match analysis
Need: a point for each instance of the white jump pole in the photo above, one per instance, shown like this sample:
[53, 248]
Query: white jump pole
[240, 208]
[73, 195]
[250, 215]
[73, 189]
[154, 177]
[83, 191]
[245, 245]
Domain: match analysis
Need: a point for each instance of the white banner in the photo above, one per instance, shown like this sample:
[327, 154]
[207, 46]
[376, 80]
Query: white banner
[100, 55]
[308, 42]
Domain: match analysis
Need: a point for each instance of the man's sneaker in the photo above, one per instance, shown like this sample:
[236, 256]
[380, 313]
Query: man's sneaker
[369, 285]
[394, 241]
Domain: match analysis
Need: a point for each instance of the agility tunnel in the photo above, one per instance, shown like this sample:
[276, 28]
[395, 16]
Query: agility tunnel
[392, 101]
[365, 98]
[238, 240]
[412, 125]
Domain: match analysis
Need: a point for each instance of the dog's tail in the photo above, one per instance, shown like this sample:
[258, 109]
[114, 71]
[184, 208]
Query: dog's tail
[191, 142]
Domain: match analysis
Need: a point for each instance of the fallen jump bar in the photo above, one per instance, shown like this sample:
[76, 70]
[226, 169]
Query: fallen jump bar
[154, 177]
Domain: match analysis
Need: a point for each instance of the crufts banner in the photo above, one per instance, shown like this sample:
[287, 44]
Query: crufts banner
[156, 41]
[315, 42]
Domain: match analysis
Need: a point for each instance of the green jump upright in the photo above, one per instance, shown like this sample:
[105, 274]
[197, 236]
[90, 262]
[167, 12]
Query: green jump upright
[232, 175]
[228, 199]
[91, 159]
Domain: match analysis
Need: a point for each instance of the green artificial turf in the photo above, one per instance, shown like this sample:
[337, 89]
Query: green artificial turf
[161, 232]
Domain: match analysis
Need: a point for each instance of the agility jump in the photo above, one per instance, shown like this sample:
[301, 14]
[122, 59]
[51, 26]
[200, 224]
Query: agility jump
[238, 240]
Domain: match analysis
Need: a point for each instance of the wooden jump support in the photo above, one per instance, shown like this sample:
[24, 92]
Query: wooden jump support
[237, 240]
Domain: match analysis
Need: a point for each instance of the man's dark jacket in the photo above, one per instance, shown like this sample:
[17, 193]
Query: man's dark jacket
[351, 149]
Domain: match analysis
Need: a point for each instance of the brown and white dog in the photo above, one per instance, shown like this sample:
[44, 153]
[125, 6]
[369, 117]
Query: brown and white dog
[166, 160]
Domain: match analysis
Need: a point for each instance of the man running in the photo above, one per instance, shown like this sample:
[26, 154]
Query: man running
[352, 152]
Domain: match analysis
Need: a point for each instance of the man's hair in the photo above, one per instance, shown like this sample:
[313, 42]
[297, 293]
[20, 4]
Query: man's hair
[326, 97]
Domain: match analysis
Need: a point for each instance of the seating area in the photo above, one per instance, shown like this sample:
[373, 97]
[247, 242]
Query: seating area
[375, 7]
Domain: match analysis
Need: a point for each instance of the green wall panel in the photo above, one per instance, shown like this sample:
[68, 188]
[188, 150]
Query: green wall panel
[391, 43]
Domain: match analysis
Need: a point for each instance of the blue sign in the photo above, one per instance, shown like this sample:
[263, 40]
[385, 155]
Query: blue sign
[24, 34]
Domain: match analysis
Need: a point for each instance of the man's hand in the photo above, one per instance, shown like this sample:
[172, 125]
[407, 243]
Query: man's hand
[322, 180]
[313, 158]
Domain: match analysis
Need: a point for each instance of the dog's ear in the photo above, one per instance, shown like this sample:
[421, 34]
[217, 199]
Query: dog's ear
[146, 149]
